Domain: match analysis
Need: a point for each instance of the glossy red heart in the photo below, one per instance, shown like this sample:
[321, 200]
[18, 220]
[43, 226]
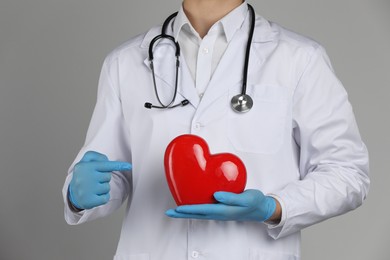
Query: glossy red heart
[193, 174]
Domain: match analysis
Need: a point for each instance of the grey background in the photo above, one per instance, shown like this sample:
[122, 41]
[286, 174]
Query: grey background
[50, 57]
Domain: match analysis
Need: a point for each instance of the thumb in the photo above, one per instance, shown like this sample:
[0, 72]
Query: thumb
[228, 198]
[248, 198]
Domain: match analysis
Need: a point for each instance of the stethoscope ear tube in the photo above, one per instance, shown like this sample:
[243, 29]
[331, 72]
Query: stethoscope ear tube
[248, 49]
[177, 54]
[166, 23]
[159, 37]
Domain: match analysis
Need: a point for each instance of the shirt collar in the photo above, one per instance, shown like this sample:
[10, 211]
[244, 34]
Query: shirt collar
[181, 22]
[230, 23]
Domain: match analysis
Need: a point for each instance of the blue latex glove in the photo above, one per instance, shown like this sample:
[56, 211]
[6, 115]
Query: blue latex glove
[251, 205]
[90, 184]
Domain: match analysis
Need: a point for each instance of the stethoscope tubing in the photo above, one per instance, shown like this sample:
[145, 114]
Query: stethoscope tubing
[248, 49]
[239, 103]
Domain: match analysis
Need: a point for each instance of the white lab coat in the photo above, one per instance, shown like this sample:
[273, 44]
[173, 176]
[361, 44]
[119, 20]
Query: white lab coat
[300, 143]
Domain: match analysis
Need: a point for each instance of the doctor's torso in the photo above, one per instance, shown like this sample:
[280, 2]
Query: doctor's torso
[262, 138]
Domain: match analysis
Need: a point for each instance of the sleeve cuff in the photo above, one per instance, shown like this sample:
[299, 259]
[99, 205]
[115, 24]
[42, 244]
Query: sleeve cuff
[273, 225]
[72, 207]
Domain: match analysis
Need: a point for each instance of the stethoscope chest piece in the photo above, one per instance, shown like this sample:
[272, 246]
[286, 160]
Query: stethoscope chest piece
[241, 103]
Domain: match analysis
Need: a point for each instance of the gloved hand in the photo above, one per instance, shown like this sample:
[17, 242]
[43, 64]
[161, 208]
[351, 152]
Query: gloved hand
[251, 205]
[90, 184]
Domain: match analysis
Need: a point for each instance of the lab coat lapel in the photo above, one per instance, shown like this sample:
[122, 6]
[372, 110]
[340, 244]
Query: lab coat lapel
[228, 72]
[187, 84]
[165, 67]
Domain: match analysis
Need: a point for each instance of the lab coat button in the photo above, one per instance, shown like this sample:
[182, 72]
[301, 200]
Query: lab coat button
[197, 126]
[195, 254]
[201, 95]
[205, 50]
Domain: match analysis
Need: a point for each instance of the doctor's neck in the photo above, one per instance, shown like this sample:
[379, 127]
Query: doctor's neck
[204, 13]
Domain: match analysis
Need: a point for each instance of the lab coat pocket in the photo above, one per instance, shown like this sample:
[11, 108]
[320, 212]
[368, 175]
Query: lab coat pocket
[132, 257]
[262, 129]
[257, 254]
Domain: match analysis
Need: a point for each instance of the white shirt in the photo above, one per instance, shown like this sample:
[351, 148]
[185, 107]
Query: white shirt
[203, 55]
[300, 142]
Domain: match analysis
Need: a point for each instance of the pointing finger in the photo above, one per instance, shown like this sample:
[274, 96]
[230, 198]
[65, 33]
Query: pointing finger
[110, 166]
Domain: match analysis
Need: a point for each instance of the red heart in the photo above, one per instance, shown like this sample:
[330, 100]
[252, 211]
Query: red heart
[193, 174]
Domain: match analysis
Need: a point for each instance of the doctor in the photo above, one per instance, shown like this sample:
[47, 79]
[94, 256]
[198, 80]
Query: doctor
[299, 141]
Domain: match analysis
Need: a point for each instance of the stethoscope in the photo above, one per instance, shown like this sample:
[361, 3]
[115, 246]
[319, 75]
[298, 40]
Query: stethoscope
[239, 103]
